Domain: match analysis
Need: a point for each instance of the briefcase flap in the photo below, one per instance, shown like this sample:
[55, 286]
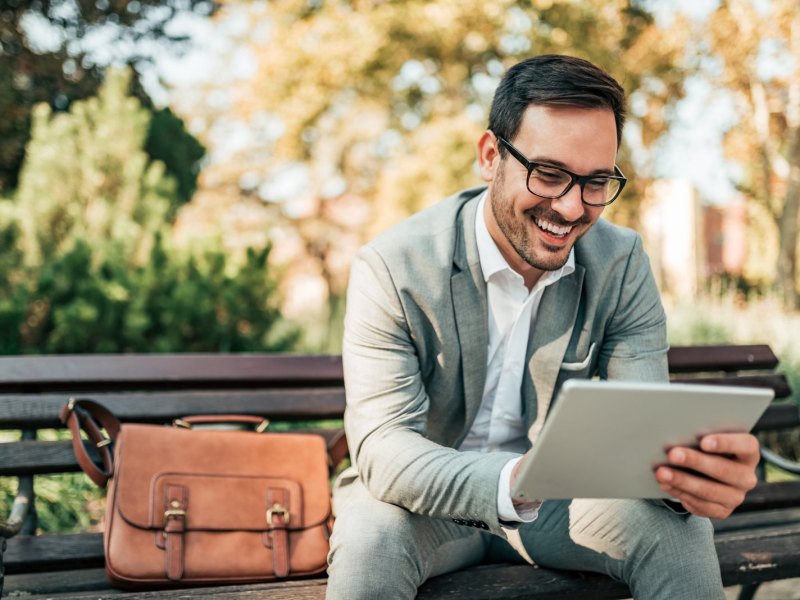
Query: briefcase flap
[227, 480]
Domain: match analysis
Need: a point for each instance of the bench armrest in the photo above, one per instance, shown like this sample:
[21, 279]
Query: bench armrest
[777, 460]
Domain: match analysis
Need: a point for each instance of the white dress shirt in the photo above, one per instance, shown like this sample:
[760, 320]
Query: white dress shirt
[512, 314]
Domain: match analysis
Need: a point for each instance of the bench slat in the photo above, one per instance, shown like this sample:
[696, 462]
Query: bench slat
[60, 582]
[32, 553]
[521, 582]
[696, 359]
[777, 494]
[741, 521]
[759, 555]
[18, 411]
[121, 370]
[774, 381]
[779, 416]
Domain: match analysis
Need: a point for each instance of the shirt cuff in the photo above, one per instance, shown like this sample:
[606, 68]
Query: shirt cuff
[507, 511]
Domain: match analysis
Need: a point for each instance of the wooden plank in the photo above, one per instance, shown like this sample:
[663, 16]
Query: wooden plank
[303, 589]
[759, 555]
[29, 554]
[59, 582]
[41, 373]
[727, 357]
[742, 521]
[778, 494]
[41, 458]
[518, 582]
[779, 416]
[772, 381]
[21, 411]
[746, 557]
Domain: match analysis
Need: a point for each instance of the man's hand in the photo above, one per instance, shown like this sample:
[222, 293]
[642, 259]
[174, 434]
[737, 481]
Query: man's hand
[728, 462]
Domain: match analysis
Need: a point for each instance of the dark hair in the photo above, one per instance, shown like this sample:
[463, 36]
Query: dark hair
[553, 80]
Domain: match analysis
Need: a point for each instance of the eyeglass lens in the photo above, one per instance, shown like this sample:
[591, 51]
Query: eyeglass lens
[549, 182]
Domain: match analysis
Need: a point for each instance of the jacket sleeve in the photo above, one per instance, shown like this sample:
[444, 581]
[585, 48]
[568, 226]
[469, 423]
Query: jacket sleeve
[635, 342]
[387, 406]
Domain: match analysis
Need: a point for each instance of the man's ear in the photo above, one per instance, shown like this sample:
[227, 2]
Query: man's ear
[488, 155]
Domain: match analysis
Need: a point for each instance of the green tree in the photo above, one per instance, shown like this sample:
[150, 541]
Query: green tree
[87, 176]
[375, 107]
[755, 51]
[90, 265]
[59, 71]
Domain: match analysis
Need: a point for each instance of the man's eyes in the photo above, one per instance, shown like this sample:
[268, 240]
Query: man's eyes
[597, 184]
[549, 175]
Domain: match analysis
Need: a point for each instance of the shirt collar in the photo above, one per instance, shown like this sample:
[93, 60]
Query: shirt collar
[492, 260]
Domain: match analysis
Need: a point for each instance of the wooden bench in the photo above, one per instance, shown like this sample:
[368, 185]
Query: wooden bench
[760, 543]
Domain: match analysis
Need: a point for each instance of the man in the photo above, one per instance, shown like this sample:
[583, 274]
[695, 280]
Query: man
[463, 322]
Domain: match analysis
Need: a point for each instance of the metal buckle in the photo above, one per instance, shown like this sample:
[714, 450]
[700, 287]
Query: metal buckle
[262, 427]
[70, 407]
[181, 424]
[173, 514]
[277, 509]
[103, 443]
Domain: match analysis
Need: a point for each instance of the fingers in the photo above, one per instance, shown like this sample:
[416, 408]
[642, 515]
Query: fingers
[743, 446]
[698, 506]
[718, 475]
[709, 497]
[721, 468]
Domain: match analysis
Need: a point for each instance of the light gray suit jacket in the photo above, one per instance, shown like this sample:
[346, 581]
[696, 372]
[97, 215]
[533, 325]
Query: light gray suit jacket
[416, 336]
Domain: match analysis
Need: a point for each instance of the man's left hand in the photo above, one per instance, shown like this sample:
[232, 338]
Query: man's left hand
[726, 465]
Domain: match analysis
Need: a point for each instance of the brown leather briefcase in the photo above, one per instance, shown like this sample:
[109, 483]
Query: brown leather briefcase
[190, 506]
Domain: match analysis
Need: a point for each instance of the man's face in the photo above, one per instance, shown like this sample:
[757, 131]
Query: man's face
[536, 234]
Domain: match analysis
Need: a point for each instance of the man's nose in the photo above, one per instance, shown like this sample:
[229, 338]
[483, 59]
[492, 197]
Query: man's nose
[569, 206]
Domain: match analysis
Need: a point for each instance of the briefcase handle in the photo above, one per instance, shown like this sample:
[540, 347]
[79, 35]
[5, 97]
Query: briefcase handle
[260, 423]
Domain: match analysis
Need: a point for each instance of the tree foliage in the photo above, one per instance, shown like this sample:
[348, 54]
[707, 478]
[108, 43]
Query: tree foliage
[59, 70]
[88, 250]
[756, 56]
[366, 111]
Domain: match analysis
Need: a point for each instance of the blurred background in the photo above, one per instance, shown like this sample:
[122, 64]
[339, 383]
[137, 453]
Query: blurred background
[187, 175]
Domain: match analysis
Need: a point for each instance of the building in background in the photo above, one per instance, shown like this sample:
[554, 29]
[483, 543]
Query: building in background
[692, 245]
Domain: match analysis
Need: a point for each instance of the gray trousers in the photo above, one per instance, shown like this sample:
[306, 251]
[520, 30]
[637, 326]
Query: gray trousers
[381, 551]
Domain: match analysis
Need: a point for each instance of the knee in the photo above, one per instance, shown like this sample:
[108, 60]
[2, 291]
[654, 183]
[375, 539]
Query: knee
[679, 543]
[633, 532]
[372, 553]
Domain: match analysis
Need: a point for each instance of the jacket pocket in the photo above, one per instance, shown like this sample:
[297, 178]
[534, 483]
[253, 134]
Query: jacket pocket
[579, 366]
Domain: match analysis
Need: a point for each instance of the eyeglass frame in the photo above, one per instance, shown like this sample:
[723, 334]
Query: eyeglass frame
[581, 180]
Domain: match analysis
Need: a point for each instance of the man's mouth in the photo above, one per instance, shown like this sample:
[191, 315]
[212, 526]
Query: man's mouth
[559, 231]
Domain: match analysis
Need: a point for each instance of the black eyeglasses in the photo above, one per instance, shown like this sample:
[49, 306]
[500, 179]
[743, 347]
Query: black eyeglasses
[547, 181]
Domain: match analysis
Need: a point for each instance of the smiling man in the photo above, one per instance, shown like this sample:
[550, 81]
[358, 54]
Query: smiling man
[462, 324]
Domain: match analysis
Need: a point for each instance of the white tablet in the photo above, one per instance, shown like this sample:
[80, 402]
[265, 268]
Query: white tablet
[603, 439]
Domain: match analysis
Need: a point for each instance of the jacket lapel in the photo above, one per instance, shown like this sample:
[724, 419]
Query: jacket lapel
[471, 314]
[547, 345]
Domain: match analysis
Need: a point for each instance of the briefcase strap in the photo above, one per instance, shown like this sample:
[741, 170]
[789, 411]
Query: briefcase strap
[92, 418]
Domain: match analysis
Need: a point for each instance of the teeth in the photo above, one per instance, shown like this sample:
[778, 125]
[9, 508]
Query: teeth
[555, 229]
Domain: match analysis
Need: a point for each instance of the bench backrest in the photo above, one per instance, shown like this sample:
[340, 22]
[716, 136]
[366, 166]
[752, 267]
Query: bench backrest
[285, 388]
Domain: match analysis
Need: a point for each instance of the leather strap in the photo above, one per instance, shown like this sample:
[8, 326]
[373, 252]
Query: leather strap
[176, 501]
[278, 518]
[89, 416]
